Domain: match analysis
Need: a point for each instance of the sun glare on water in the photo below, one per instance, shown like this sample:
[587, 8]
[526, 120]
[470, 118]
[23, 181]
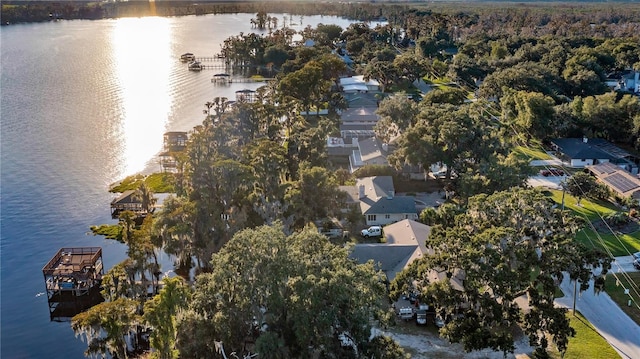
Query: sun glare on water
[143, 66]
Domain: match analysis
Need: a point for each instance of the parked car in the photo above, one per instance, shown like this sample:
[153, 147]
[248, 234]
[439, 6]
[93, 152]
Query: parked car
[421, 317]
[373, 231]
[552, 172]
[439, 322]
[406, 313]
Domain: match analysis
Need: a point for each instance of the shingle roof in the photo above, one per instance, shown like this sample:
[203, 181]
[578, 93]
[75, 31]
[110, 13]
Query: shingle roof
[400, 250]
[126, 197]
[352, 193]
[380, 197]
[395, 204]
[576, 148]
[407, 232]
[371, 148]
[388, 257]
[359, 114]
[377, 186]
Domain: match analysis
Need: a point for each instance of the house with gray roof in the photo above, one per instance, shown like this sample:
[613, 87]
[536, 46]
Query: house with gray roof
[621, 182]
[582, 152]
[405, 242]
[378, 203]
[369, 151]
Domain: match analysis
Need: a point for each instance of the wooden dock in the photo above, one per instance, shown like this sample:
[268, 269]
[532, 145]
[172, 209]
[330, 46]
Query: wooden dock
[228, 80]
[210, 59]
[220, 66]
[73, 279]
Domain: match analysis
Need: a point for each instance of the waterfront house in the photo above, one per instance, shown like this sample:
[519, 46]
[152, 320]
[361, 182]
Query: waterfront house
[174, 142]
[128, 201]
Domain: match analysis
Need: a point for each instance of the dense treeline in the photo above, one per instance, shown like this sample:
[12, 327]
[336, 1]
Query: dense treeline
[464, 18]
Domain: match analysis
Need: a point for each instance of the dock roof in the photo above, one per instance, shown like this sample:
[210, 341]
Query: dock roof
[71, 260]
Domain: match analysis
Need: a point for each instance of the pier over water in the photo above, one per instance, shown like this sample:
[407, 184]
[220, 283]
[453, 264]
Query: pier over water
[73, 278]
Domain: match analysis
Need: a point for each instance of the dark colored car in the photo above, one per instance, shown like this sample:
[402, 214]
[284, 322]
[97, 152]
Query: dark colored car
[552, 172]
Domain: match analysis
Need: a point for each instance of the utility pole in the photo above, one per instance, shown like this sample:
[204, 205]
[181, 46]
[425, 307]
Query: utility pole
[575, 294]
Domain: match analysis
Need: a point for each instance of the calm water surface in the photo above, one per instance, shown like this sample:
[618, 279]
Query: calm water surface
[83, 104]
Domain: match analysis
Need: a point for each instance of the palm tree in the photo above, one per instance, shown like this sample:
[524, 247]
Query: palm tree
[145, 195]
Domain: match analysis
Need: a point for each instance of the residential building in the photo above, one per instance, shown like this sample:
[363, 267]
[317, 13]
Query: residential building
[582, 152]
[621, 182]
[368, 152]
[405, 242]
[378, 203]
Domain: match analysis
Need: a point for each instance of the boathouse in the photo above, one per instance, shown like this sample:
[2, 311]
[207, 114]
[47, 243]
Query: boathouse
[73, 280]
[174, 142]
[221, 79]
[128, 201]
[246, 95]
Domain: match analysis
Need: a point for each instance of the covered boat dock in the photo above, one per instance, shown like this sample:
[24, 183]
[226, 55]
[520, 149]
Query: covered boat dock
[73, 277]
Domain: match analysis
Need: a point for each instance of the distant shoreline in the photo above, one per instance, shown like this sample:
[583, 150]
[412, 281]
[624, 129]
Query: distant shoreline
[14, 12]
[17, 12]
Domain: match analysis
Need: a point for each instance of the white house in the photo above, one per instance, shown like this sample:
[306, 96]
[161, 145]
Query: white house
[624, 80]
[378, 203]
[582, 152]
[356, 84]
[579, 152]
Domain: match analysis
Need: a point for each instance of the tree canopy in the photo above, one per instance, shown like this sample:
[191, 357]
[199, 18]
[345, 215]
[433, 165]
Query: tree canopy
[501, 247]
[281, 296]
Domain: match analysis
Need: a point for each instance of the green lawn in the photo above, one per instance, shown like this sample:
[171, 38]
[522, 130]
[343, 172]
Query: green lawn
[440, 81]
[619, 245]
[587, 343]
[616, 292]
[531, 153]
[157, 183]
[110, 231]
[590, 208]
[593, 210]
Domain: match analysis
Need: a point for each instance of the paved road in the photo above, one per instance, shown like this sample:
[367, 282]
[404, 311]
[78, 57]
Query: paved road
[609, 320]
[623, 264]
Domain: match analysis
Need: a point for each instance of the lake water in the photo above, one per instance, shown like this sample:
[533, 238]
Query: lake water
[83, 104]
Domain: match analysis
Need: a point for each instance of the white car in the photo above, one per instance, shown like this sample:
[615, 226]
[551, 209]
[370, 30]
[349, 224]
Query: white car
[373, 231]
